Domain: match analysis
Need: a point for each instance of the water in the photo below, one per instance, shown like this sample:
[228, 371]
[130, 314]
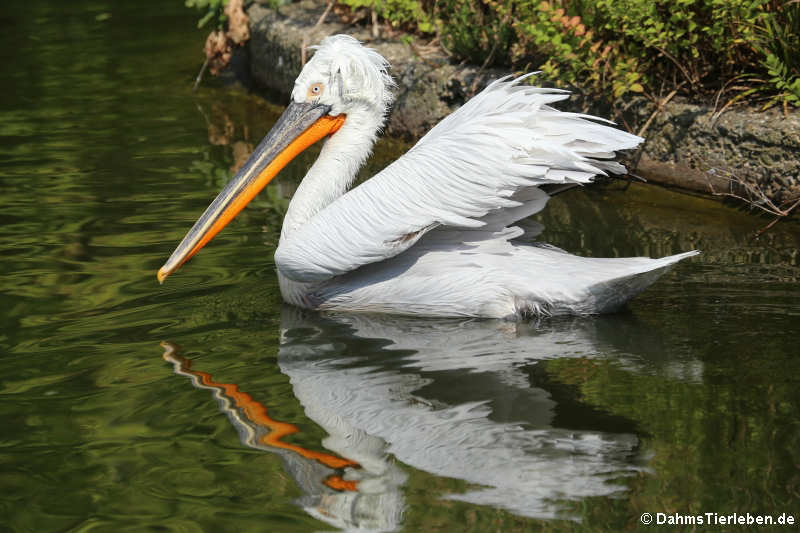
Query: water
[207, 405]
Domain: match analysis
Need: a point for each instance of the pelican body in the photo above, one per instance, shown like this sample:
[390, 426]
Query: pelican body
[433, 233]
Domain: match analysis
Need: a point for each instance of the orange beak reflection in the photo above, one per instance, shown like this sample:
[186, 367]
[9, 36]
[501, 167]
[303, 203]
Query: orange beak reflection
[251, 414]
[300, 126]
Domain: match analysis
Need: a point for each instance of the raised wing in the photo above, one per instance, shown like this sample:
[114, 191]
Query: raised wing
[470, 170]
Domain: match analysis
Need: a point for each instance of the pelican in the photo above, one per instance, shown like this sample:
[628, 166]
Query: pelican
[433, 233]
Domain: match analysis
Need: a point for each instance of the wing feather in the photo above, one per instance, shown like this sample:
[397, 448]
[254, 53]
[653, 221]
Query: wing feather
[465, 173]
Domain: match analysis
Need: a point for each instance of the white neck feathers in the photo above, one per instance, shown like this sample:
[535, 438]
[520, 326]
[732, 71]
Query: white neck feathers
[334, 171]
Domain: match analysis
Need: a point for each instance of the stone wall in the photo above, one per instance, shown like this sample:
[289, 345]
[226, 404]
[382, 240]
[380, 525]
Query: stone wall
[688, 146]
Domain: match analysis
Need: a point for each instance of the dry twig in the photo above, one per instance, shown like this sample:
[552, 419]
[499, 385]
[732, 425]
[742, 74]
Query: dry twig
[659, 106]
[376, 29]
[755, 197]
[199, 77]
[420, 53]
[637, 156]
[691, 79]
[303, 48]
[489, 57]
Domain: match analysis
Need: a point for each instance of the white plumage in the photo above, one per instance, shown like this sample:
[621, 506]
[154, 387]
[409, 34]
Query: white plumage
[428, 235]
[432, 234]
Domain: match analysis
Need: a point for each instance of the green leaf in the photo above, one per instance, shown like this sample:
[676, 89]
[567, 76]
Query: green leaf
[203, 21]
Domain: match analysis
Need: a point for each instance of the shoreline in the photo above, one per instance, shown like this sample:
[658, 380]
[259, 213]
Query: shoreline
[688, 146]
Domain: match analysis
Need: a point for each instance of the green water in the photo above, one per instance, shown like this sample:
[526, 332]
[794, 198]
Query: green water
[686, 402]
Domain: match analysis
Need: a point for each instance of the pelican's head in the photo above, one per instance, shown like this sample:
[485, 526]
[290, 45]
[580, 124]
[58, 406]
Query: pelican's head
[343, 79]
[346, 76]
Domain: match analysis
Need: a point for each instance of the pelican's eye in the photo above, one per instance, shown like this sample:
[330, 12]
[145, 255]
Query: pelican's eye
[315, 90]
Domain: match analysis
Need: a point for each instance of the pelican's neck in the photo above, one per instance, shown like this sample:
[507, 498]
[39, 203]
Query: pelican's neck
[334, 171]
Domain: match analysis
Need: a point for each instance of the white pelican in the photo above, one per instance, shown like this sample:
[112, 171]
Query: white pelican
[432, 233]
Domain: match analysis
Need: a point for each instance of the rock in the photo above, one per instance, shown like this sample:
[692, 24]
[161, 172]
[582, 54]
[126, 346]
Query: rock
[688, 145]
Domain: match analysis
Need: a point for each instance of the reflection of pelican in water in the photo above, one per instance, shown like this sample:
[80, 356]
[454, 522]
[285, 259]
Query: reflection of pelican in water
[454, 398]
[463, 399]
[336, 490]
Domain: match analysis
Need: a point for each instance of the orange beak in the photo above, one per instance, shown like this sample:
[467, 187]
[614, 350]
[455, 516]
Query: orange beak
[300, 126]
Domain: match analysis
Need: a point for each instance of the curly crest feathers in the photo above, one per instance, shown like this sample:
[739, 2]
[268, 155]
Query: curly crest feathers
[357, 72]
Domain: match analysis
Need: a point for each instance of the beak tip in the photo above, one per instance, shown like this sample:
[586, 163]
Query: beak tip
[162, 275]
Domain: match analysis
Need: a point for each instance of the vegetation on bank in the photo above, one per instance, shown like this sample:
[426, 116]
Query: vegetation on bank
[230, 28]
[729, 50]
[732, 48]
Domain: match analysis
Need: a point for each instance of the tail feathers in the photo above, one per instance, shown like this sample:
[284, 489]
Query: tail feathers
[587, 285]
[611, 294]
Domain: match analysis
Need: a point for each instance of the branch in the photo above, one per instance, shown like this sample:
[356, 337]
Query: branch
[199, 77]
[756, 198]
[317, 25]
[659, 106]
